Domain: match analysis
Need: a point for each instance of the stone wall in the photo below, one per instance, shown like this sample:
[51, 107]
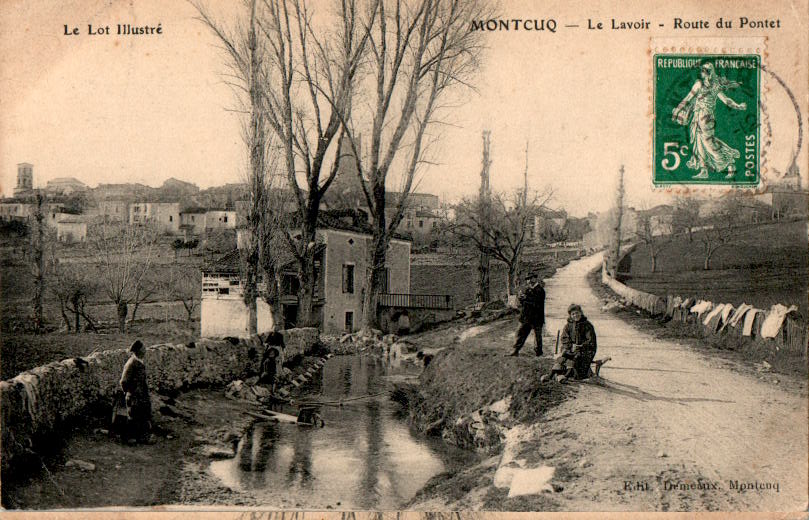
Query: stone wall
[35, 404]
[298, 340]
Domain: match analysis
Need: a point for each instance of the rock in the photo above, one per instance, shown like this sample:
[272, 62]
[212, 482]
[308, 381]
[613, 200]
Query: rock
[216, 452]
[557, 488]
[584, 463]
[80, 464]
[662, 454]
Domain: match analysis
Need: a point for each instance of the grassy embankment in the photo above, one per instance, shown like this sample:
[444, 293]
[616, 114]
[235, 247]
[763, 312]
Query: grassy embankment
[761, 266]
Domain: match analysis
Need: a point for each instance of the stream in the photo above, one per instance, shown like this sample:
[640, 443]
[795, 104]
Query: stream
[366, 457]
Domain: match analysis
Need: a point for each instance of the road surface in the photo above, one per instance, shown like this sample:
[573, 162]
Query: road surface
[668, 428]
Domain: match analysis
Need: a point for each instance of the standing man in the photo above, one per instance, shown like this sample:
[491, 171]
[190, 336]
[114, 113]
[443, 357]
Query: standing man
[532, 314]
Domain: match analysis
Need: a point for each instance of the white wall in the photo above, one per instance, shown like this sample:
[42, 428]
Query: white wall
[229, 318]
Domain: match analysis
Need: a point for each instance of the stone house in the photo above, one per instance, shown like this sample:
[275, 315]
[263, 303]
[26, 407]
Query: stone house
[71, 229]
[341, 263]
[220, 219]
[164, 215]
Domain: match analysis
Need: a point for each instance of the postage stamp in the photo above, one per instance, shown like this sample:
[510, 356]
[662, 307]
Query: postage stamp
[707, 119]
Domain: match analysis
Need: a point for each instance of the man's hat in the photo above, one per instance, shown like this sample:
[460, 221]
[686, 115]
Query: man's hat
[137, 346]
[574, 307]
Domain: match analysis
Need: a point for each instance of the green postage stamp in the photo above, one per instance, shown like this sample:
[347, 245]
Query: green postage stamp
[706, 119]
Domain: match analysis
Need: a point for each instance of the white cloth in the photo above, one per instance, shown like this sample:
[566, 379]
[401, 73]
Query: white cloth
[701, 306]
[775, 318]
[716, 310]
[739, 314]
[749, 318]
[726, 312]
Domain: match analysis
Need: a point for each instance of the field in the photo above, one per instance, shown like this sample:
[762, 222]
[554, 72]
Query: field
[762, 265]
[458, 276]
[157, 321]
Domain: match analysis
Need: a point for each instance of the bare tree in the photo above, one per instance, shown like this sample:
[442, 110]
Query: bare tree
[655, 235]
[419, 51]
[248, 61]
[484, 207]
[125, 254]
[38, 244]
[182, 284]
[686, 216]
[73, 285]
[717, 230]
[615, 255]
[503, 234]
[300, 81]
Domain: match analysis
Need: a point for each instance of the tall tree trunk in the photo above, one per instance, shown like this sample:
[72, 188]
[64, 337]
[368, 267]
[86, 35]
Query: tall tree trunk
[257, 143]
[39, 263]
[654, 262]
[377, 256]
[512, 279]
[123, 310]
[306, 294]
[375, 279]
[484, 284]
[76, 313]
[65, 317]
[484, 201]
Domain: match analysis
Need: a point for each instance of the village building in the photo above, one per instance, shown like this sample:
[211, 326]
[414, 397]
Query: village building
[108, 210]
[125, 192]
[164, 215]
[71, 229]
[192, 221]
[220, 219]
[16, 210]
[64, 186]
[341, 262]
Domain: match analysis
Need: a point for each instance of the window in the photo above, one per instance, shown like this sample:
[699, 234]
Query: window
[290, 285]
[349, 324]
[421, 223]
[171, 218]
[192, 218]
[348, 278]
[226, 219]
[385, 280]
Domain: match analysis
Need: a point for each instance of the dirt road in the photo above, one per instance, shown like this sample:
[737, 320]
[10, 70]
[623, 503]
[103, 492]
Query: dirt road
[668, 428]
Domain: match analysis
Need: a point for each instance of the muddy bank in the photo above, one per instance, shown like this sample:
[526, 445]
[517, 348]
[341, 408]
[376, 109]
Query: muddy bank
[86, 467]
[473, 395]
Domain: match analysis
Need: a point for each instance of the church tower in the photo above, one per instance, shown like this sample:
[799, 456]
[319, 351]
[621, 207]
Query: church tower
[25, 179]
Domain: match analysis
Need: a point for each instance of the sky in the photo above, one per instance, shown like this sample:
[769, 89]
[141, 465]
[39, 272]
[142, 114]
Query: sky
[110, 109]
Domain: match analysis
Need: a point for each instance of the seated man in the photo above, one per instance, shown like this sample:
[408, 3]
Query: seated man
[578, 348]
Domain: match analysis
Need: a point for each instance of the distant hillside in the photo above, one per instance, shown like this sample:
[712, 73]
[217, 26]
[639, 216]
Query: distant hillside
[762, 265]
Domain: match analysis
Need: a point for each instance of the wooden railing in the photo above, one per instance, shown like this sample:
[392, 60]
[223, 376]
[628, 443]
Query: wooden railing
[416, 301]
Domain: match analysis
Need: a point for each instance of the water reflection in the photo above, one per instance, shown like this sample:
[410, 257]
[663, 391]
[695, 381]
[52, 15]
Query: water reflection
[364, 458]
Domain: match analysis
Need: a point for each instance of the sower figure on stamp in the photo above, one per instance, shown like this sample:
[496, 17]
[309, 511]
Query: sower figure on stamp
[698, 111]
[532, 314]
[579, 348]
